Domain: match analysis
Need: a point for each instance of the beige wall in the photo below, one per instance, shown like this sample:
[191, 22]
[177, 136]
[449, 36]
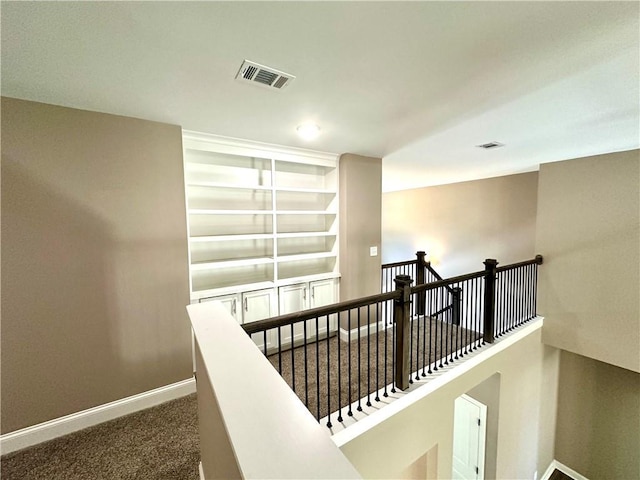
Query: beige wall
[94, 260]
[589, 233]
[525, 433]
[360, 212]
[598, 429]
[488, 393]
[461, 224]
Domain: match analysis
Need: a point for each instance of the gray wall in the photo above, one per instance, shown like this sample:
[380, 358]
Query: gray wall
[360, 227]
[589, 232]
[94, 260]
[461, 224]
[598, 427]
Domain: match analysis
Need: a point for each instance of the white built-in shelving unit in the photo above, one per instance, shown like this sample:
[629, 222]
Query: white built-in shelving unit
[260, 218]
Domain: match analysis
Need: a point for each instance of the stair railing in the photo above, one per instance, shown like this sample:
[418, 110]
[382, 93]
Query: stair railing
[338, 357]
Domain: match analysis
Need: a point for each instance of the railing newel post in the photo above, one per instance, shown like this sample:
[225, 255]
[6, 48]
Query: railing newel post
[490, 265]
[401, 312]
[421, 274]
[456, 299]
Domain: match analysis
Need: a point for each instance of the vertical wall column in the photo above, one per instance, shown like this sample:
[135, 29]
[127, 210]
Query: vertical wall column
[360, 225]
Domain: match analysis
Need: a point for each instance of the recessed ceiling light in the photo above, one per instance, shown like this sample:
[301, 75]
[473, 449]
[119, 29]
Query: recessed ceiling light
[308, 131]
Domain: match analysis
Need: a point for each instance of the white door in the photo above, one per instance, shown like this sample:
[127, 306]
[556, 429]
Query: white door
[259, 305]
[323, 292]
[294, 298]
[468, 438]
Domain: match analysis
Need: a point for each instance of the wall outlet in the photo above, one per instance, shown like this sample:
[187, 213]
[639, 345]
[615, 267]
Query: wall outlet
[373, 251]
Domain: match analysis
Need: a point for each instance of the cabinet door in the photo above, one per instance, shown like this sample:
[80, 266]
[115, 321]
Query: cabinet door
[294, 298]
[230, 302]
[259, 305]
[324, 292]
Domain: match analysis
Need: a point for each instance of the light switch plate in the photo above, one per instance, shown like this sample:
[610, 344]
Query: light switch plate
[373, 251]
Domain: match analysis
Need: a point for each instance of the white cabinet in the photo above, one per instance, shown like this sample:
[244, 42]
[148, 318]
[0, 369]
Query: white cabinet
[247, 307]
[302, 296]
[229, 302]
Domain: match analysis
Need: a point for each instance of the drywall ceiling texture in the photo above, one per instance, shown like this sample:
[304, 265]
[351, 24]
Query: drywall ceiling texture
[589, 232]
[94, 260]
[462, 224]
[360, 227]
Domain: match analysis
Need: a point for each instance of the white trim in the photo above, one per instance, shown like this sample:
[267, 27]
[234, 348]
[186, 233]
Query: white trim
[237, 146]
[555, 464]
[344, 333]
[58, 427]
[200, 471]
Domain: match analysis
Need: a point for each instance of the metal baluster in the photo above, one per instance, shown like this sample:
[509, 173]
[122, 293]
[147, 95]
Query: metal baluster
[368, 355]
[329, 376]
[386, 339]
[378, 326]
[359, 408]
[349, 412]
[393, 352]
[306, 373]
[430, 310]
[424, 337]
[264, 342]
[318, 366]
[279, 351]
[293, 366]
[416, 318]
[339, 379]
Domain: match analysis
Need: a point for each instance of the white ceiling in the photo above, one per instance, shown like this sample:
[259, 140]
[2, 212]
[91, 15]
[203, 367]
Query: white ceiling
[417, 83]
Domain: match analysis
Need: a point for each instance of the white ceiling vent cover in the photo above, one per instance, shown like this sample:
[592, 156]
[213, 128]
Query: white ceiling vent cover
[264, 76]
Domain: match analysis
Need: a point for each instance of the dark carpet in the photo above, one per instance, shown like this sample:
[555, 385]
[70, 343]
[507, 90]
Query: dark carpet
[316, 382]
[157, 443]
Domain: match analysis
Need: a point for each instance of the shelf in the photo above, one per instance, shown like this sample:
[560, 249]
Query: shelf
[307, 266]
[305, 256]
[230, 238]
[306, 190]
[217, 265]
[304, 212]
[305, 234]
[225, 185]
[204, 211]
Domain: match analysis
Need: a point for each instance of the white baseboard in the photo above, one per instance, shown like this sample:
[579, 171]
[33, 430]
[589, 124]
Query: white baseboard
[27, 437]
[364, 331]
[564, 469]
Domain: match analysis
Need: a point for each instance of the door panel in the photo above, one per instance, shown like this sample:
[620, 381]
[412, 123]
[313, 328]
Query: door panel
[323, 292]
[468, 439]
[258, 305]
[294, 298]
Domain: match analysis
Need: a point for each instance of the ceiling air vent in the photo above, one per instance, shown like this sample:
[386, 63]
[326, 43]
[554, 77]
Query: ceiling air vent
[265, 76]
[490, 145]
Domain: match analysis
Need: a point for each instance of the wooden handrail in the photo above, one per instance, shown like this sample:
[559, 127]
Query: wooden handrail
[295, 317]
[311, 313]
[538, 260]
